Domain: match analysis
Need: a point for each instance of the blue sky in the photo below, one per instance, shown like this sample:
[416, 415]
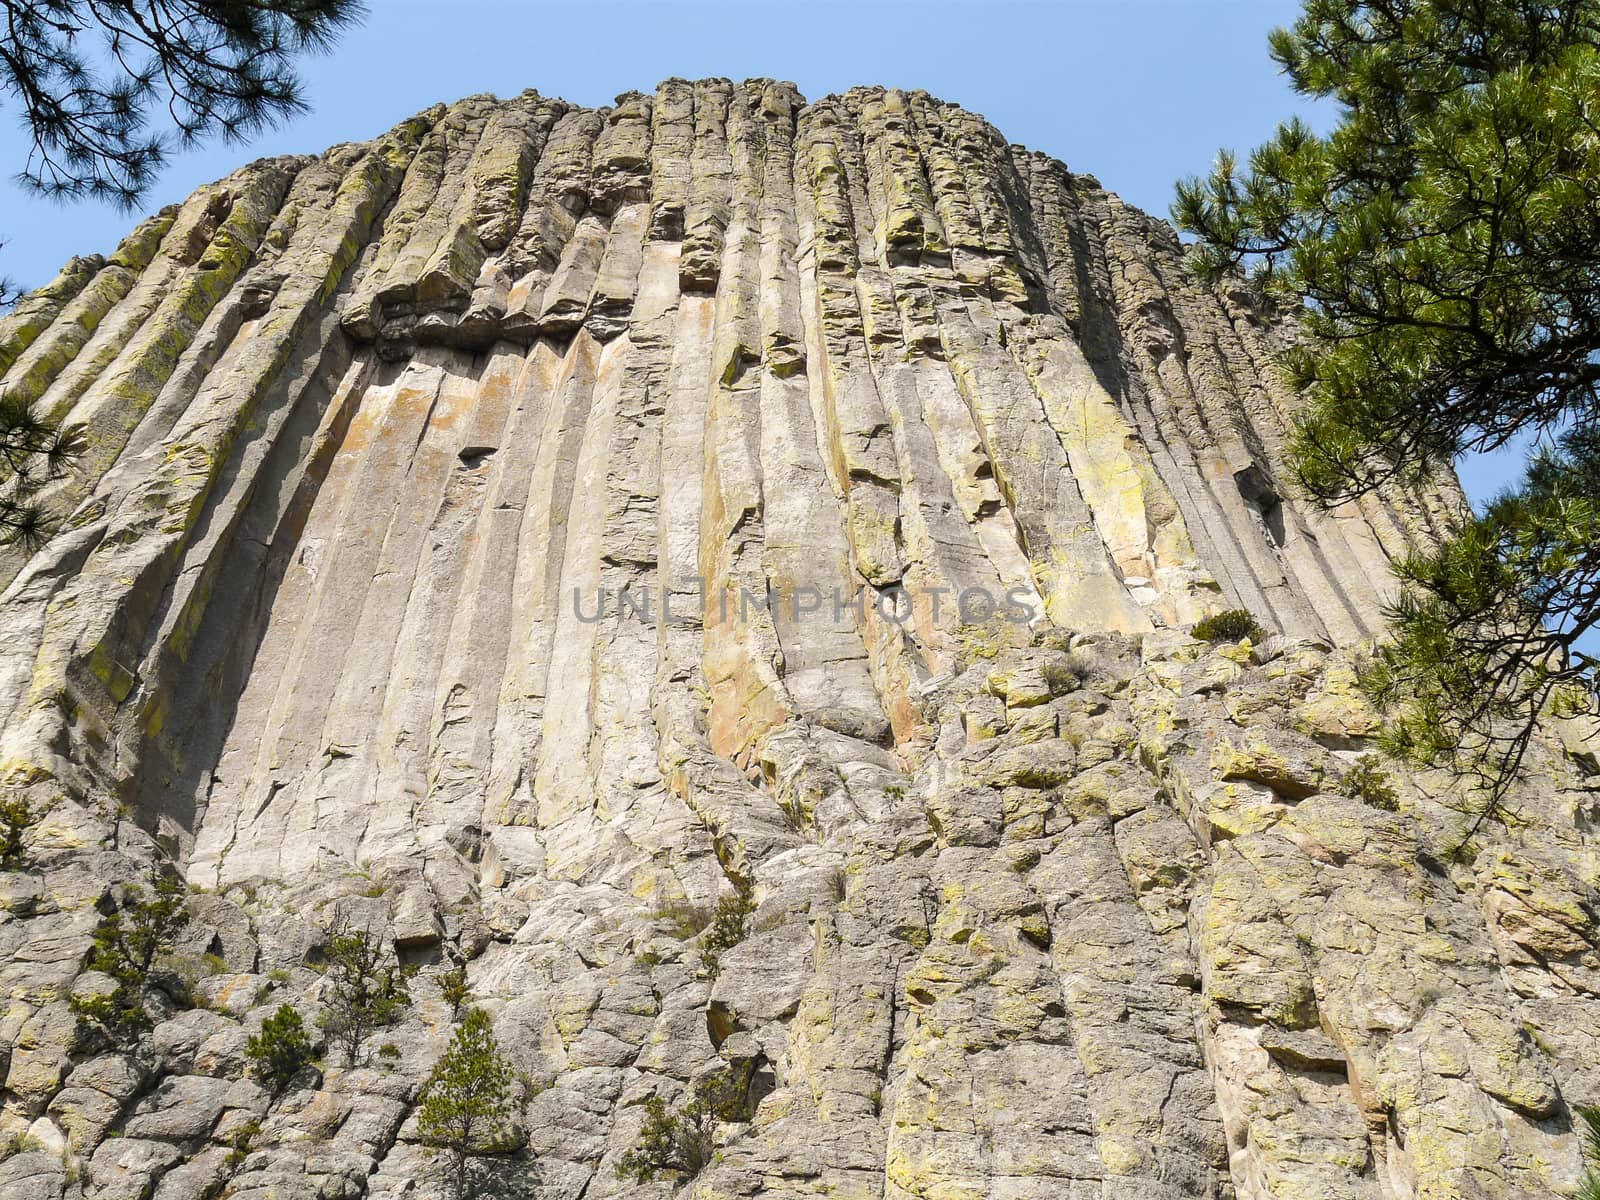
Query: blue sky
[1136, 92]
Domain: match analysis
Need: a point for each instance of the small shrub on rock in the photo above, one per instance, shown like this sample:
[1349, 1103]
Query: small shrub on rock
[730, 923]
[126, 946]
[1368, 782]
[279, 1052]
[369, 989]
[677, 1143]
[15, 817]
[468, 1098]
[686, 919]
[242, 1142]
[453, 988]
[19, 1143]
[838, 884]
[1064, 676]
[1230, 626]
[1589, 1185]
[181, 974]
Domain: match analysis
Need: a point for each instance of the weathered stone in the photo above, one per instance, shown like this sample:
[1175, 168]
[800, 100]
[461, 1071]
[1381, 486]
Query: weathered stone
[183, 1108]
[415, 921]
[219, 926]
[33, 1175]
[128, 1168]
[519, 533]
[176, 1043]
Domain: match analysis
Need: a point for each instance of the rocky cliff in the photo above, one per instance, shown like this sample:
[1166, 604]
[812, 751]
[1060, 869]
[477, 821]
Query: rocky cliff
[512, 534]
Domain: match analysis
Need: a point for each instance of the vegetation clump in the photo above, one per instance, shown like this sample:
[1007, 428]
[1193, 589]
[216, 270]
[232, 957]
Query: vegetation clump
[677, 1143]
[281, 1050]
[16, 815]
[369, 989]
[1589, 1185]
[838, 884]
[1368, 782]
[242, 1142]
[210, 68]
[34, 451]
[19, 1143]
[1231, 626]
[730, 924]
[453, 988]
[685, 918]
[126, 945]
[1064, 676]
[468, 1098]
[86, 81]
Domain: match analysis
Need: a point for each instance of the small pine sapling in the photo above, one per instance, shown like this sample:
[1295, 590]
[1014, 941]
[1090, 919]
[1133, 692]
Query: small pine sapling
[468, 1098]
[279, 1052]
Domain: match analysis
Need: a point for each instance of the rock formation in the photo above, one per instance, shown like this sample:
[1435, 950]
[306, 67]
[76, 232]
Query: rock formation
[512, 534]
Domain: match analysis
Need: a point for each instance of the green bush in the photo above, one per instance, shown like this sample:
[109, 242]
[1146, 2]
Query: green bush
[677, 1144]
[369, 990]
[19, 1143]
[1230, 626]
[468, 1097]
[242, 1142]
[685, 918]
[15, 818]
[126, 946]
[730, 922]
[1063, 676]
[1366, 781]
[181, 973]
[1589, 1185]
[280, 1050]
[453, 987]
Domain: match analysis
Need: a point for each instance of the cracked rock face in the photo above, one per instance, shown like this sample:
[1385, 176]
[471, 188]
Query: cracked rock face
[513, 533]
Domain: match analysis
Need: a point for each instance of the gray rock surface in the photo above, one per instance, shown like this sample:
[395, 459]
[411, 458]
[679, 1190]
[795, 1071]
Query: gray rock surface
[415, 581]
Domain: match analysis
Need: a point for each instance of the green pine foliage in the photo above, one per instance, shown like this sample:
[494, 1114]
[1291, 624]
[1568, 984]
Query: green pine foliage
[1230, 626]
[453, 988]
[676, 1144]
[730, 923]
[126, 945]
[1440, 246]
[1589, 1185]
[93, 122]
[1367, 781]
[209, 67]
[241, 1143]
[34, 451]
[279, 1052]
[468, 1098]
[16, 815]
[1484, 626]
[368, 990]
